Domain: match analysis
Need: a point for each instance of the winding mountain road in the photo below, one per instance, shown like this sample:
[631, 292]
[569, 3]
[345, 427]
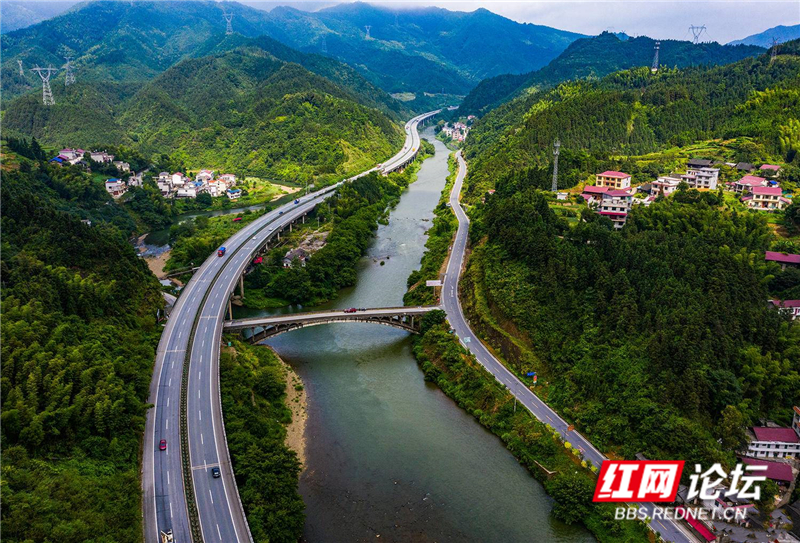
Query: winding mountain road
[670, 530]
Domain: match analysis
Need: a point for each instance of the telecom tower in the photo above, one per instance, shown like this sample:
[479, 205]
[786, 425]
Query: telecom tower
[228, 17]
[556, 148]
[21, 71]
[654, 67]
[367, 27]
[69, 78]
[697, 31]
[774, 52]
[45, 73]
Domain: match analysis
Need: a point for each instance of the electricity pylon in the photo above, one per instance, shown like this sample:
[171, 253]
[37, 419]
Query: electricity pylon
[21, 71]
[367, 27]
[697, 31]
[654, 67]
[228, 17]
[774, 52]
[69, 78]
[556, 149]
[45, 73]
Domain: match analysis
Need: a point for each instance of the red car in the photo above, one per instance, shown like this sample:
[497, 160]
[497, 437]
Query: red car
[350, 310]
[237, 219]
[258, 260]
[163, 445]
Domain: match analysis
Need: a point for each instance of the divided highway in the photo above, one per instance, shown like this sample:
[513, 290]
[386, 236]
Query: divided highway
[670, 530]
[189, 349]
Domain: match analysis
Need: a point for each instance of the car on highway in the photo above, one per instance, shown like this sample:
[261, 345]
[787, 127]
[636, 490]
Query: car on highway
[221, 251]
[163, 445]
[297, 201]
[215, 473]
[237, 219]
[350, 310]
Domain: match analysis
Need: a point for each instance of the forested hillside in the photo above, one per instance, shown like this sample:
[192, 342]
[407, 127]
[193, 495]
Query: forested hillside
[635, 112]
[655, 339]
[243, 110]
[78, 341]
[599, 56]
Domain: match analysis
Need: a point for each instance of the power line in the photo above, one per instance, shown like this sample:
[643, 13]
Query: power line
[228, 17]
[45, 73]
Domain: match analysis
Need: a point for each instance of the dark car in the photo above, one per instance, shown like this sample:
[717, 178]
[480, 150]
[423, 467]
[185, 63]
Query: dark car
[163, 445]
[215, 473]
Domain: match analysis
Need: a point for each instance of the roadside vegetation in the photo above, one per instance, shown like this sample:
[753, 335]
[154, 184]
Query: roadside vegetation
[78, 342]
[253, 389]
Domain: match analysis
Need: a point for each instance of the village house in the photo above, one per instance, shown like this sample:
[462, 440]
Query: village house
[744, 167]
[747, 183]
[116, 187]
[178, 179]
[295, 254]
[234, 194]
[774, 442]
[765, 198]
[613, 180]
[770, 169]
[615, 205]
[701, 178]
[228, 178]
[122, 166]
[666, 185]
[101, 156]
[784, 259]
[593, 194]
[204, 176]
[695, 163]
[791, 307]
[779, 472]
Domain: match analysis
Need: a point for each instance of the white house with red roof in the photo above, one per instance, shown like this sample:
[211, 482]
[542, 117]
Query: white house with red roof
[204, 176]
[770, 169]
[615, 205]
[665, 184]
[774, 442]
[784, 259]
[178, 179]
[791, 307]
[593, 194]
[747, 183]
[613, 180]
[765, 198]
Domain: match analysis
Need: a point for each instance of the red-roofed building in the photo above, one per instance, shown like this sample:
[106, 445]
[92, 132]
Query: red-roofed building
[746, 183]
[615, 205]
[772, 442]
[698, 526]
[792, 307]
[613, 180]
[592, 194]
[769, 198]
[784, 259]
[770, 169]
[777, 471]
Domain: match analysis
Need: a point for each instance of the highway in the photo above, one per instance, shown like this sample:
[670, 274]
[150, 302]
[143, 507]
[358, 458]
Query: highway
[670, 530]
[192, 336]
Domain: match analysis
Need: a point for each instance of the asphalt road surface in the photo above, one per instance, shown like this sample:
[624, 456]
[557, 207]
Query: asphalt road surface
[195, 327]
[669, 530]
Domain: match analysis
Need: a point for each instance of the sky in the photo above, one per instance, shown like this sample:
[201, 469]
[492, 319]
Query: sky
[725, 20]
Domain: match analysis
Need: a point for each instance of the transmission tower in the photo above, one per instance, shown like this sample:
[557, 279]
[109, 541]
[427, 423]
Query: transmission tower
[367, 27]
[774, 52]
[654, 67]
[325, 44]
[45, 73]
[21, 71]
[69, 78]
[556, 149]
[228, 17]
[697, 31]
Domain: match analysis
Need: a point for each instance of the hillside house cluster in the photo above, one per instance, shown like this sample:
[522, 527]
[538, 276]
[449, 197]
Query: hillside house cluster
[72, 156]
[457, 132]
[178, 185]
[760, 193]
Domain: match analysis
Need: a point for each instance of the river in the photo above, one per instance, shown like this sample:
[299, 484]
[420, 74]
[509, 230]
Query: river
[389, 456]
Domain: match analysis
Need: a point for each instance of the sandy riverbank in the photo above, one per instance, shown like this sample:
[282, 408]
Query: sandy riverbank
[297, 401]
[157, 263]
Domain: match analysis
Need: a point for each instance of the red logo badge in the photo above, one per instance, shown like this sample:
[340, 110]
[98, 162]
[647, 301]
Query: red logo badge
[638, 481]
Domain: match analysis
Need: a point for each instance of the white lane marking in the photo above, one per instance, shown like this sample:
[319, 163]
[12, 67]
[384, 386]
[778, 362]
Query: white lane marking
[167, 425]
[211, 495]
[167, 477]
[170, 509]
[199, 375]
[170, 382]
[199, 414]
[167, 401]
[202, 441]
[218, 533]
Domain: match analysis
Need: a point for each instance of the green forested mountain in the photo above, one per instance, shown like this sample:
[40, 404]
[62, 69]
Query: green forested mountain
[634, 112]
[420, 49]
[249, 108]
[599, 56]
[78, 342]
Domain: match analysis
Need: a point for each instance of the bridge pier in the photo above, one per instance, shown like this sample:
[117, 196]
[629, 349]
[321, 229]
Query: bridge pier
[230, 310]
[241, 286]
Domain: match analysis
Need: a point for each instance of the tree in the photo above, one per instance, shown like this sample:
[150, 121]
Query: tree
[731, 428]
[573, 494]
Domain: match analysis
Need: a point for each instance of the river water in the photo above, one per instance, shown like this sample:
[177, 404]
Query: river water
[389, 456]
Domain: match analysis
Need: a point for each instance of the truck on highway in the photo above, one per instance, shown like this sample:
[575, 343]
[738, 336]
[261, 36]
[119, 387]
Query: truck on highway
[221, 251]
[166, 537]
